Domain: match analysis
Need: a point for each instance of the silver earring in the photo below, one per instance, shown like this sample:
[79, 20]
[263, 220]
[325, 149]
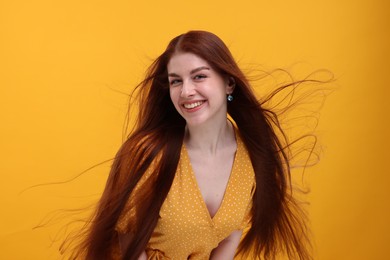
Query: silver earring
[230, 98]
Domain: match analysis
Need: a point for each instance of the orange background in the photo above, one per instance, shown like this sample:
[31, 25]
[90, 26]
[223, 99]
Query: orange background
[64, 64]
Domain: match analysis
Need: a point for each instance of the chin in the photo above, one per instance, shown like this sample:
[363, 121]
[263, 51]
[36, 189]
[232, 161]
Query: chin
[199, 121]
[195, 121]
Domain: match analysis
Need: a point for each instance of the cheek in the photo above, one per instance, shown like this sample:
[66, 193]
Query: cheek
[174, 95]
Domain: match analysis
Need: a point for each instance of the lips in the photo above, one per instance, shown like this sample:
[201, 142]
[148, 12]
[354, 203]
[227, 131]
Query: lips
[193, 105]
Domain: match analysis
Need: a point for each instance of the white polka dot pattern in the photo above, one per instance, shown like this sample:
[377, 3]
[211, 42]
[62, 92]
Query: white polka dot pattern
[185, 229]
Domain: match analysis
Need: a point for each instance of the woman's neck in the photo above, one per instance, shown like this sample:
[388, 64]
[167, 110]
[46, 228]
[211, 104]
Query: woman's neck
[208, 139]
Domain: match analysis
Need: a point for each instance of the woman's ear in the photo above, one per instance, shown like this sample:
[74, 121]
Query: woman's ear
[231, 85]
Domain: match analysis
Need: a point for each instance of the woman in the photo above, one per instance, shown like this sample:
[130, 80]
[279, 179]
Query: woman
[188, 182]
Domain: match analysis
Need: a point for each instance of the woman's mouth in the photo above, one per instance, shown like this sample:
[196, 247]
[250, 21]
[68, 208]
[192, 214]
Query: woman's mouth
[193, 105]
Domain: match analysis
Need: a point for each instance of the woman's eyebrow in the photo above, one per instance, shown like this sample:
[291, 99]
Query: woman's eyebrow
[199, 69]
[191, 72]
[173, 75]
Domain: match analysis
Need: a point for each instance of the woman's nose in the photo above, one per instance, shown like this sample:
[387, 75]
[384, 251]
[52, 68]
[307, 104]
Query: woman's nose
[187, 89]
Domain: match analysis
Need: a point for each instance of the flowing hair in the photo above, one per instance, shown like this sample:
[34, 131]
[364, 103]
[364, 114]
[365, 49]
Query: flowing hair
[277, 221]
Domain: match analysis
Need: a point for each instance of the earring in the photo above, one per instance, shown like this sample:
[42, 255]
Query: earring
[230, 98]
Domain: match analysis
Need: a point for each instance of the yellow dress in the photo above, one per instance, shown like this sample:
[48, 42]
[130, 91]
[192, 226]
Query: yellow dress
[185, 229]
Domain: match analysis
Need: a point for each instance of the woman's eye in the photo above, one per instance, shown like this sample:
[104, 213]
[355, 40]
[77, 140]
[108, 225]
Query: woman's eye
[201, 76]
[174, 82]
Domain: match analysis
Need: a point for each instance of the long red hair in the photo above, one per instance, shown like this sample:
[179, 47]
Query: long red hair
[277, 223]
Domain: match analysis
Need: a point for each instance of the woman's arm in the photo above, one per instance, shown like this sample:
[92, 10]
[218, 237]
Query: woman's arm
[227, 248]
[143, 256]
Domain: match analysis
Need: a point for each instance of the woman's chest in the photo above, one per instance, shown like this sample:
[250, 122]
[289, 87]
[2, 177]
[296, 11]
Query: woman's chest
[211, 175]
[185, 207]
[185, 226]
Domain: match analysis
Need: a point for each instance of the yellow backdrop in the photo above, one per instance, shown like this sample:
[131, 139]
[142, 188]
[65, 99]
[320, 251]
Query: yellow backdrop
[64, 66]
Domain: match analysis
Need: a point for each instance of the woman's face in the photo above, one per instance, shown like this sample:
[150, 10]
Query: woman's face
[197, 91]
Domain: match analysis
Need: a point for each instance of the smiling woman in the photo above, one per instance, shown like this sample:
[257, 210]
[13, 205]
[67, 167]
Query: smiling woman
[197, 91]
[189, 183]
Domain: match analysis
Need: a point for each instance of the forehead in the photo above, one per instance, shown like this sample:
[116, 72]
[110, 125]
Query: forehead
[183, 62]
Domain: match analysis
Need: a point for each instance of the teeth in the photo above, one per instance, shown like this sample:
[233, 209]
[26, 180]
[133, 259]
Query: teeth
[193, 105]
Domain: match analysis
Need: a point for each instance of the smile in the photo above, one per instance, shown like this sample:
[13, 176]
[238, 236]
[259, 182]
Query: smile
[193, 105]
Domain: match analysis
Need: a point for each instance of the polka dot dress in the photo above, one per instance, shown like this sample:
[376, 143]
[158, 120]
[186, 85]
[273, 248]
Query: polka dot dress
[185, 229]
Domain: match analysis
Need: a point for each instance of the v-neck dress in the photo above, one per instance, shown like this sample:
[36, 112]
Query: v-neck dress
[185, 229]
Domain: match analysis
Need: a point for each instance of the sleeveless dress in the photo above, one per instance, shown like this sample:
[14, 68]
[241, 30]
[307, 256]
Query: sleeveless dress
[185, 229]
